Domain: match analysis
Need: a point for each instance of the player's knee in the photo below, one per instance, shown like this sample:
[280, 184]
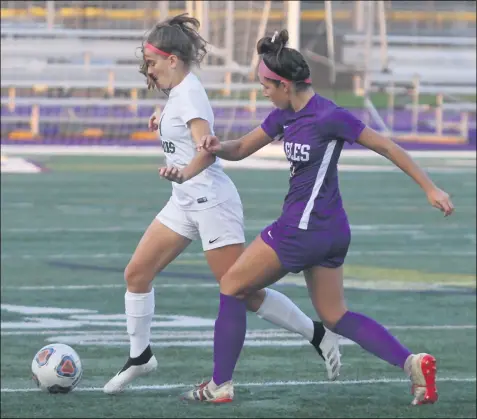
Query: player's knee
[136, 278]
[331, 316]
[231, 286]
[233, 292]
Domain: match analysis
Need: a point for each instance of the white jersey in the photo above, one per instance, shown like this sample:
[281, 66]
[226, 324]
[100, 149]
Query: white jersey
[188, 100]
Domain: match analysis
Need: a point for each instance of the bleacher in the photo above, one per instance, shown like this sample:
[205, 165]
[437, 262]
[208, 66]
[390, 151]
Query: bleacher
[441, 64]
[90, 58]
[97, 69]
[406, 67]
[60, 73]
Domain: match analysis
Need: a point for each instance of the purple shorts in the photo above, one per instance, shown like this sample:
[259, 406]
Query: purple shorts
[300, 249]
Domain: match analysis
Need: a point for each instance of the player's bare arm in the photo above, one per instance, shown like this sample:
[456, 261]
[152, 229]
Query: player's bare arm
[236, 149]
[203, 159]
[401, 158]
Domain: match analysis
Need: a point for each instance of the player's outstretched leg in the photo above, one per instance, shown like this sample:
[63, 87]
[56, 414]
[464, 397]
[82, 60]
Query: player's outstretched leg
[256, 268]
[156, 249]
[229, 336]
[376, 339]
[141, 361]
[325, 286]
[324, 341]
[279, 310]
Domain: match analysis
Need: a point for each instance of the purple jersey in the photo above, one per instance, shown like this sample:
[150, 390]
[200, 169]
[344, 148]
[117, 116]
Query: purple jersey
[313, 139]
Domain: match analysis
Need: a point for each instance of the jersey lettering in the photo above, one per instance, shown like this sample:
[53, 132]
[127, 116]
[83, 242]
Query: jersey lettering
[168, 147]
[297, 152]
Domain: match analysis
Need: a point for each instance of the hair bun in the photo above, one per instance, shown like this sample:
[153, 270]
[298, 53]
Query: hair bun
[282, 38]
[273, 44]
[266, 46]
[183, 20]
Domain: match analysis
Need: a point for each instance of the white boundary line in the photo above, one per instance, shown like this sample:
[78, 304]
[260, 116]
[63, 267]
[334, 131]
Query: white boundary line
[370, 229]
[349, 284]
[258, 384]
[269, 151]
[66, 256]
[104, 286]
[209, 334]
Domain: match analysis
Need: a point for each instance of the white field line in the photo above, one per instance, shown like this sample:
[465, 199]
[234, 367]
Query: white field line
[102, 286]
[349, 283]
[377, 230]
[260, 384]
[416, 231]
[410, 252]
[268, 151]
[209, 334]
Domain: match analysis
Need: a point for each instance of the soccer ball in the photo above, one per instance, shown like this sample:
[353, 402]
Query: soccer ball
[56, 368]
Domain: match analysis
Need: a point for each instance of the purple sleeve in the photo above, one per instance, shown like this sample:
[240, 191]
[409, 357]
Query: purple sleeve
[343, 125]
[272, 124]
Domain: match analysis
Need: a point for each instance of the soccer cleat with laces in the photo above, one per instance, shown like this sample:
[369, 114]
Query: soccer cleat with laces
[209, 392]
[327, 346]
[134, 368]
[423, 370]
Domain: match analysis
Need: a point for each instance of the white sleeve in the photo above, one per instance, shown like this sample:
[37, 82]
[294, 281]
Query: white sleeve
[196, 105]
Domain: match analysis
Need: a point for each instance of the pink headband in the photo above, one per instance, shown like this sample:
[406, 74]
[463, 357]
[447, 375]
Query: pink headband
[264, 71]
[156, 50]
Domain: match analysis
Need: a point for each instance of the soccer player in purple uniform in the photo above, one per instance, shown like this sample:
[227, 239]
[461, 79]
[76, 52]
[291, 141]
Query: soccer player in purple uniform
[312, 234]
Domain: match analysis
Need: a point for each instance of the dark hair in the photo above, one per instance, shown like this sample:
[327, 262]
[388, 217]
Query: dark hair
[286, 62]
[178, 36]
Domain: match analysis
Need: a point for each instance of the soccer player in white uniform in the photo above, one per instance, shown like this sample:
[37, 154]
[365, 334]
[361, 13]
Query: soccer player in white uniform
[204, 205]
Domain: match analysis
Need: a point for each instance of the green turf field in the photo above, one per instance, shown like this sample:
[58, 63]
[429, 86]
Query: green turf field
[67, 235]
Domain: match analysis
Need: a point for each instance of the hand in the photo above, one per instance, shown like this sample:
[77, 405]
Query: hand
[172, 173]
[152, 125]
[209, 143]
[441, 200]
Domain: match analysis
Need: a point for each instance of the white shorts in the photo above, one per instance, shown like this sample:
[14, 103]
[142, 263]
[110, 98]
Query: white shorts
[219, 226]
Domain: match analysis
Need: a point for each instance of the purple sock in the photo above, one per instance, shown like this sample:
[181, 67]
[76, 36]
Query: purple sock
[229, 335]
[372, 337]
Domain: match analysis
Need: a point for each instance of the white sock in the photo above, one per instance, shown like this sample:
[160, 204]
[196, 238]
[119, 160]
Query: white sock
[281, 311]
[139, 314]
